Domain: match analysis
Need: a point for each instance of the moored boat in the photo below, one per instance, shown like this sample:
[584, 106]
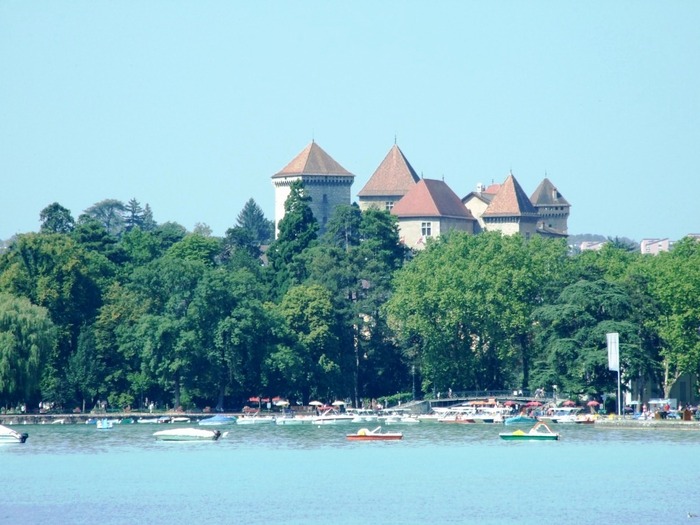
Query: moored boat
[187, 434]
[540, 432]
[520, 419]
[365, 434]
[218, 419]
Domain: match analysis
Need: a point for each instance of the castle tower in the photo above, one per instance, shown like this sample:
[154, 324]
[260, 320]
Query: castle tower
[325, 181]
[552, 208]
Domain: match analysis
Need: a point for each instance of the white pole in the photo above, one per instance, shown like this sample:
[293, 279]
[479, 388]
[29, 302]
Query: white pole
[619, 399]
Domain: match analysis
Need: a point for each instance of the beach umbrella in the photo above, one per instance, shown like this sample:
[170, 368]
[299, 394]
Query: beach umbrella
[592, 403]
[315, 403]
[338, 403]
[533, 404]
[254, 399]
[509, 403]
[281, 403]
[568, 403]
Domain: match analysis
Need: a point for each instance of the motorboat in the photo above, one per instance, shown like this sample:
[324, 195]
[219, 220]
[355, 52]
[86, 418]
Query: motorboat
[332, 416]
[564, 415]
[187, 434]
[294, 420]
[364, 434]
[7, 435]
[218, 419]
[540, 432]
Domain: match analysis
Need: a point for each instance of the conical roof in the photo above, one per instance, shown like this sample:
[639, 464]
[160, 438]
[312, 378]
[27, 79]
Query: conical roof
[547, 194]
[510, 201]
[313, 161]
[431, 198]
[394, 176]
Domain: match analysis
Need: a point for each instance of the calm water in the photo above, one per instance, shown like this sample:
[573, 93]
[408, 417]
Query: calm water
[309, 475]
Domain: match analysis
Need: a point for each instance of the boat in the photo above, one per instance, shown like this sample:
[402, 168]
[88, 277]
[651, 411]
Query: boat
[7, 435]
[540, 432]
[294, 420]
[520, 419]
[104, 424]
[565, 415]
[187, 434]
[255, 419]
[364, 434]
[331, 416]
[218, 419]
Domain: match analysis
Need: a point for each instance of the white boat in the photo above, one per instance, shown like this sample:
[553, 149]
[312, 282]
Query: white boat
[294, 420]
[332, 417]
[218, 419]
[7, 435]
[187, 434]
[255, 419]
[564, 415]
[363, 415]
[104, 424]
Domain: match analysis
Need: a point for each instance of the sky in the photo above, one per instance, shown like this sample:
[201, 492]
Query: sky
[191, 107]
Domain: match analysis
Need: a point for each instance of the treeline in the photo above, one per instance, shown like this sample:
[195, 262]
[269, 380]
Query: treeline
[116, 307]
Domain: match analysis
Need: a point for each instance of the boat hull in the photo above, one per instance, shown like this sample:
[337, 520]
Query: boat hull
[187, 434]
[529, 437]
[382, 437]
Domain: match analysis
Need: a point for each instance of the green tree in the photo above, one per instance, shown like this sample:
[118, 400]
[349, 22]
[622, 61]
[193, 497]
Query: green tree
[56, 219]
[571, 333]
[674, 284]
[298, 231]
[252, 219]
[309, 315]
[133, 215]
[27, 338]
[110, 213]
[55, 272]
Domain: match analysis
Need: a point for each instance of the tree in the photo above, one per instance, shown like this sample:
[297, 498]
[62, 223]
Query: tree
[310, 317]
[109, 212]
[571, 333]
[462, 307]
[297, 231]
[56, 219]
[27, 338]
[674, 284]
[55, 272]
[133, 215]
[252, 219]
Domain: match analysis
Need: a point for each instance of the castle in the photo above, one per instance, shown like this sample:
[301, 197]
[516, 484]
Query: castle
[424, 207]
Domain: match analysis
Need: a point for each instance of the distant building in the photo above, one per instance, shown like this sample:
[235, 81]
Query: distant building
[429, 209]
[655, 246]
[390, 182]
[592, 245]
[325, 181]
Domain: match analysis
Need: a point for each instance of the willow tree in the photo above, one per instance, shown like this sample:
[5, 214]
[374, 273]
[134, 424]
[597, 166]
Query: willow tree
[27, 338]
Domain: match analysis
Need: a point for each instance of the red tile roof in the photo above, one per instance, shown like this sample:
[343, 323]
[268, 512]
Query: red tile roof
[394, 176]
[510, 201]
[431, 198]
[312, 161]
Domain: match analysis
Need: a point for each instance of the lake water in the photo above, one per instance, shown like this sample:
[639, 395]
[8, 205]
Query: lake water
[437, 474]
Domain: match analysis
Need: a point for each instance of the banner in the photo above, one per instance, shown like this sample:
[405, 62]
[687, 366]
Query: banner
[613, 351]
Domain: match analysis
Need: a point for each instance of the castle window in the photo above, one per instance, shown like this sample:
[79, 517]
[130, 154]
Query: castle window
[426, 229]
[325, 198]
[388, 205]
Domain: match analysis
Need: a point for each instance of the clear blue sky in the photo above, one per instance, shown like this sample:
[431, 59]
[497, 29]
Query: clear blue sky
[191, 107]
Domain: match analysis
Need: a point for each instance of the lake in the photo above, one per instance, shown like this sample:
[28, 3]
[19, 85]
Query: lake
[437, 474]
